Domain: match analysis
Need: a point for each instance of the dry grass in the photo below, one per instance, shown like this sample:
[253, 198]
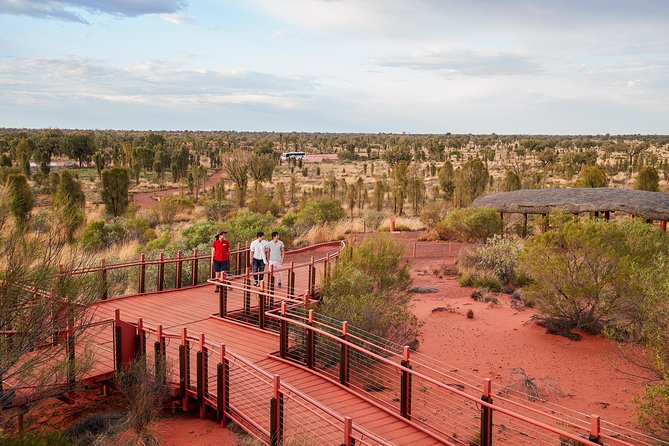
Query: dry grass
[403, 224]
[322, 233]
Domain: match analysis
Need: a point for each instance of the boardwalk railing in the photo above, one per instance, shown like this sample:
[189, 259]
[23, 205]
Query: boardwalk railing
[451, 410]
[168, 273]
[212, 377]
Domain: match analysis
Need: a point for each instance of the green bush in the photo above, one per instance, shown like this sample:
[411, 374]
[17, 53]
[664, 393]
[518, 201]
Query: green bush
[200, 233]
[369, 288]
[318, 212]
[159, 243]
[469, 225]
[216, 209]
[500, 256]
[263, 204]
[41, 439]
[166, 210]
[243, 225]
[433, 213]
[373, 219]
[98, 236]
[133, 228]
[481, 279]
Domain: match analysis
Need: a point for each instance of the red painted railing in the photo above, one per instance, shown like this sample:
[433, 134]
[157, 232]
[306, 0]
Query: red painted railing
[214, 377]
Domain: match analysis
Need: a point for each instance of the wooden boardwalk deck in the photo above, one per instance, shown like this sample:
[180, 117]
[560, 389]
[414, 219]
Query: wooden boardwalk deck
[193, 308]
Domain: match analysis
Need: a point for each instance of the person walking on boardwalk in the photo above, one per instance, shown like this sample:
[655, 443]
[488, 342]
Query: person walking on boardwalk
[276, 253]
[220, 256]
[259, 259]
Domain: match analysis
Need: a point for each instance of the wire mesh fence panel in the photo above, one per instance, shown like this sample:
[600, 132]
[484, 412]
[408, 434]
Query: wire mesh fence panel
[306, 424]
[444, 412]
[192, 347]
[615, 435]
[94, 348]
[150, 351]
[507, 430]
[250, 396]
[378, 380]
[172, 344]
[120, 282]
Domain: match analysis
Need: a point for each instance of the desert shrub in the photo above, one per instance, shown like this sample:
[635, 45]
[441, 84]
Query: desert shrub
[93, 427]
[369, 288]
[168, 208]
[592, 176]
[469, 225]
[159, 243]
[581, 271]
[199, 233]
[433, 213]
[216, 209]
[133, 228]
[41, 439]
[480, 279]
[501, 256]
[373, 219]
[98, 235]
[314, 212]
[243, 225]
[263, 204]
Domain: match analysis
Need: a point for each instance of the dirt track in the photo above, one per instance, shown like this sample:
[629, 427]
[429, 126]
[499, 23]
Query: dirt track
[147, 199]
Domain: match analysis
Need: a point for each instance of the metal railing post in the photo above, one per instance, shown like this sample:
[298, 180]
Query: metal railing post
[142, 273]
[221, 389]
[283, 333]
[311, 345]
[595, 429]
[223, 298]
[200, 375]
[348, 431]
[343, 356]
[486, 414]
[405, 386]
[194, 268]
[161, 272]
[104, 286]
[276, 414]
[118, 342]
[179, 270]
[184, 371]
[291, 279]
[160, 358]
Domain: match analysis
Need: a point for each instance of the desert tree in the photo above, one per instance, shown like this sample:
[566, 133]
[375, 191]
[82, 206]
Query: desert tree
[378, 194]
[294, 189]
[237, 165]
[69, 204]
[48, 144]
[261, 169]
[280, 194]
[511, 182]
[415, 188]
[632, 150]
[470, 181]
[647, 179]
[400, 183]
[100, 161]
[115, 185]
[396, 154]
[24, 150]
[79, 146]
[20, 198]
[447, 180]
[592, 176]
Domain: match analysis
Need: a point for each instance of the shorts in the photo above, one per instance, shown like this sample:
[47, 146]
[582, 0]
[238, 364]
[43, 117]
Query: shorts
[221, 266]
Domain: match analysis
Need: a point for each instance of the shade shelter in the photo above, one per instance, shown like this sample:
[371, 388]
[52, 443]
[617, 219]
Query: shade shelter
[598, 201]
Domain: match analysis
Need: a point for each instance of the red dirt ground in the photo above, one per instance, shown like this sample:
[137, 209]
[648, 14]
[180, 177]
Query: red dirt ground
[147, 199]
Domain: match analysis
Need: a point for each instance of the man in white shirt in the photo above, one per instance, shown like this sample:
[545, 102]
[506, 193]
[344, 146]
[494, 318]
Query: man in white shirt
[276, 252]
[258, 258]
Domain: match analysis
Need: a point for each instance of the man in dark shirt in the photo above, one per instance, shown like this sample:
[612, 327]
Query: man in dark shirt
[220, 256]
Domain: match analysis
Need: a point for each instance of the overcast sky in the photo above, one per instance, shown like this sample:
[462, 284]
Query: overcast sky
[416, 66]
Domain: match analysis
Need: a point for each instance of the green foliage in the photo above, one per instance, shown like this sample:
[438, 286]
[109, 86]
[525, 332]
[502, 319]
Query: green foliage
[318, 212]
[115, 185]
[263, 204]
[398, 154]
[21, 198]
[592, 176]
[216, 209]
[433, 213]
[469, 224]
[648, 179]
[242, 226]
[373, 219]
[511, 182]
[69, 203]
[199, 233]
[480, 279]
[97, 236]
[471, 181]
[41, 439]
[500, 256]
[447, 180]
[369, 288]
[159, 243]
[581, 270]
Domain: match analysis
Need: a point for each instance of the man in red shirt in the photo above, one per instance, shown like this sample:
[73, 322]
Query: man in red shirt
[220, 256]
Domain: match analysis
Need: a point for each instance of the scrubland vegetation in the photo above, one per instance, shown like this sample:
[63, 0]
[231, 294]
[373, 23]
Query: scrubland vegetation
[604, 277]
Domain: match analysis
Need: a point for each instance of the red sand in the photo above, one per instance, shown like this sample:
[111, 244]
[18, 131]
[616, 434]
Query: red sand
[500, 338]
[147, 199]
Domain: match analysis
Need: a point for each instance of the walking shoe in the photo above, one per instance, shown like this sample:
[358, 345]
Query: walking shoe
[216, 290]
[280, 285]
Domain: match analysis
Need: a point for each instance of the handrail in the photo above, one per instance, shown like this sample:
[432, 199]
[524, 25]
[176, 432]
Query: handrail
[431, 380]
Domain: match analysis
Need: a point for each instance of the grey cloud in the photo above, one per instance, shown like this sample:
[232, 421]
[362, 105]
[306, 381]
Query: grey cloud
[69, 10]
[465, 63]
[49, 81]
